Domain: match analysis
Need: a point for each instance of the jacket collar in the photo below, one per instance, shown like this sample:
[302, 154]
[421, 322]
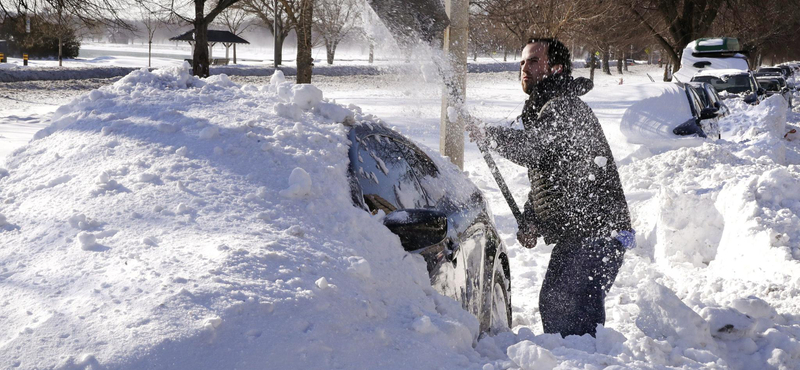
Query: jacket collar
[559, 85]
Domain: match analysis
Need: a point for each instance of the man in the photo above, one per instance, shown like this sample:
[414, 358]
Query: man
[576, 199]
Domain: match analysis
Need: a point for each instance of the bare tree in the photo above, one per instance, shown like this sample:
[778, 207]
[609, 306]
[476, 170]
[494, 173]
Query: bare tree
[763, 28]
[335, 20]
[674, 23]
[151, 20]
[235, 19]
[204, 13]
[302, 19]
[535, 18]
[266, 11]
[67, 14]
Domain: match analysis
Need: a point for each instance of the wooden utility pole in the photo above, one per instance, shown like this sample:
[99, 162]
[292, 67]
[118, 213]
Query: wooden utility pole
[451, 141]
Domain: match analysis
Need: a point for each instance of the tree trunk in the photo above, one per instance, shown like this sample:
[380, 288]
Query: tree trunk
[60, 47]
[200, 58]
[330, 49]
[505, 54]
[149, 53]
[625, 66]
[667, 74]
[305, 62]
[592, 65]
[606, 66]
[676, 65]
[234, 53]
[371, 52]
[278, 53]
[620, 60]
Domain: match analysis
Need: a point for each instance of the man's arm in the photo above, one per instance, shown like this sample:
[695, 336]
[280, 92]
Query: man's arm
[517, 146]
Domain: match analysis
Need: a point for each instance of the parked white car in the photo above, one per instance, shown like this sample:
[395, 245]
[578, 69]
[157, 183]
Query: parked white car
[707, 54]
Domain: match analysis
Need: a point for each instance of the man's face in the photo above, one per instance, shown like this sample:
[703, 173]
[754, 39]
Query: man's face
[534, 66]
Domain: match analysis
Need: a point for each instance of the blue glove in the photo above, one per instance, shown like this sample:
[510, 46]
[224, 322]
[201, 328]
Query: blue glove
[627, 238]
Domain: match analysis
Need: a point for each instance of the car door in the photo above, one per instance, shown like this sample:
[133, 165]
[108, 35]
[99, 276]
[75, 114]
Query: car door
[463, 274]
[388, 170]
[454, 269]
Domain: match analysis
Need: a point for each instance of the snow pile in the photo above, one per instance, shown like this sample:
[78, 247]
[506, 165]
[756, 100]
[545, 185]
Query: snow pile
[171, 220]
[721, 223]
[724, 204]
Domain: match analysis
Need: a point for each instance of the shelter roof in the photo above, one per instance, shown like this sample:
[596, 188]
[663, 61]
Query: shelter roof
[213, 36]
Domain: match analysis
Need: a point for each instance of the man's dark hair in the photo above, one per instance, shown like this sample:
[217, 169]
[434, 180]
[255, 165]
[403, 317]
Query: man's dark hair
[557, 53]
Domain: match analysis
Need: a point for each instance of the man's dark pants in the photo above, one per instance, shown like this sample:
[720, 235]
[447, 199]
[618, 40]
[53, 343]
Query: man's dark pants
[580, 273]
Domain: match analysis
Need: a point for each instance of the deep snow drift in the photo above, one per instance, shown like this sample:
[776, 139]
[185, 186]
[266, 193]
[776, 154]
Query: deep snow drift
[167, 221]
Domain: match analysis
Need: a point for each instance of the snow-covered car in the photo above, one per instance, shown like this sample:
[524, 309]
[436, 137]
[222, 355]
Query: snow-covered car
[709, 98]
[668, 112]
[711, 53]
[777, 70]
[711, 107]
[787, 71]
[705, 119]
[776, 85]
[442, 217]
[731, 83]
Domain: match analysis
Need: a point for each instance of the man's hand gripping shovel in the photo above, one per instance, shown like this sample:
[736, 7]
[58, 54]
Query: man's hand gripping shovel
[526, 234]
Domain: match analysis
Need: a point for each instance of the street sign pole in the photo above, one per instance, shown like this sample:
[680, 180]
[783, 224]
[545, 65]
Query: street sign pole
[27, 31]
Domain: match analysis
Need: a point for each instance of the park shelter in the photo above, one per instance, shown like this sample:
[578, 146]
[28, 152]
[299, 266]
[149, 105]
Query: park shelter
[225, 38]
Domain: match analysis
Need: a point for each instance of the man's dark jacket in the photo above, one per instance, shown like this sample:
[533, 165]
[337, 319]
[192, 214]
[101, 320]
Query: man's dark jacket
[575, 192]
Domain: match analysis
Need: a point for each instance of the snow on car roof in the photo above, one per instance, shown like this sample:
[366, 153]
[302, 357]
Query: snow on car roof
[650, 121]
[720, 72]
[711, 42]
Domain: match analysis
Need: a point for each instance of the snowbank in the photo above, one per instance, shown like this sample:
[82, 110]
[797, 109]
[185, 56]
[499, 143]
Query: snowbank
[20, 73]
[170, 220]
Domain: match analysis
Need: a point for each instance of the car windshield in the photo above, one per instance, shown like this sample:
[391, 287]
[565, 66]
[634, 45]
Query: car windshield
[769, 85]
[736, 84]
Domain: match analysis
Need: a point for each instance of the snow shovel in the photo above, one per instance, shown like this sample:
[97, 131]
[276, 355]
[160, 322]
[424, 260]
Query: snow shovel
[410, 20]
[483, 146]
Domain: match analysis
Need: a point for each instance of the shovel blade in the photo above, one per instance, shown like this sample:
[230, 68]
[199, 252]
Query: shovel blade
[412, 20]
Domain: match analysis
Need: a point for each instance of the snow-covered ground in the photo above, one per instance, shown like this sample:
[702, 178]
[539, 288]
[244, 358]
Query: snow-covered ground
[113, 60]
[162, 222]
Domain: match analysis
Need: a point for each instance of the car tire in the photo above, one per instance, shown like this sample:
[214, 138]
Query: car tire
[500, 319]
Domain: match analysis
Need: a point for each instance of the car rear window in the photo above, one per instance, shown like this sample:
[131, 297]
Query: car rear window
[732, 84]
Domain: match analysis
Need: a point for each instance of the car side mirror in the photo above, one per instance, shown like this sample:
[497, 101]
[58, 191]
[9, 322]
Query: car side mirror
[417, 228]
[717, 105]
[708, 113]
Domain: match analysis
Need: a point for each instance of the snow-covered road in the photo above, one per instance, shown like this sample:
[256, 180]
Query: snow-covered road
[714, 282]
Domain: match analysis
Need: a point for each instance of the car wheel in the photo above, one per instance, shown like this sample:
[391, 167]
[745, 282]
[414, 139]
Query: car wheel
[501, 306]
